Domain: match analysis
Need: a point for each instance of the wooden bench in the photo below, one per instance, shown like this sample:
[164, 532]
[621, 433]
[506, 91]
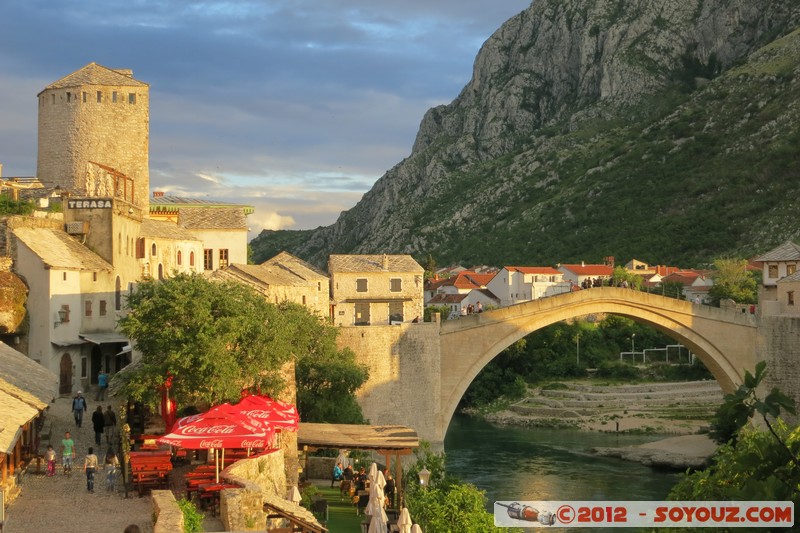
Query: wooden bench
[150, 470]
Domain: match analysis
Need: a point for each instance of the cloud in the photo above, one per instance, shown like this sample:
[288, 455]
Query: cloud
[305, 102]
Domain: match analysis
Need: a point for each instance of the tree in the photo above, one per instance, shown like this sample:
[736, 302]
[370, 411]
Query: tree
[732, 280]
[217, 338]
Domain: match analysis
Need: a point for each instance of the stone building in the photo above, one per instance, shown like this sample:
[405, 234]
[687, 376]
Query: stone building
[95, 124]
[375, 289]
[284, 278]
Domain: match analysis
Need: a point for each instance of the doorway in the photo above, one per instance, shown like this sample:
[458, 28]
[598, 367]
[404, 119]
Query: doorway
[65, 375]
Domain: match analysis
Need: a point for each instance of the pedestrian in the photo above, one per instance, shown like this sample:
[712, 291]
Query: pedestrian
[102, 385]
[90, 467]
[479, 306]
[67, 452]
[78, 407]
[112, 469]
[337, 473]
[50, 457]
[109, 424]
[389, 488]
[98, 423]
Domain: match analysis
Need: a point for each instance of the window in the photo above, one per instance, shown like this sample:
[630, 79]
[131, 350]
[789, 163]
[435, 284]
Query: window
[396, 285]
[180, 258]
[69, 96]
[361, 285]
[114, 96]
[208, 259]
[304, 299]
[85, 96]
[790, 298]
[395, 312]
[84, 367]
[103, 308]
[791, 269]
[362, 314]
[94, 276]
[191, 258]
[87, 308]
[99, 97]
[160, 271]
[54, 97]
[153, 250]
[223, 258]
[118, 294]
[64, 276]
[773, 271]
[140, 248]
[131, 98]
[146, 271]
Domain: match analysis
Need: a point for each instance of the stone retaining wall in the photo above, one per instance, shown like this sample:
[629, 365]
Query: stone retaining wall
[168, 516]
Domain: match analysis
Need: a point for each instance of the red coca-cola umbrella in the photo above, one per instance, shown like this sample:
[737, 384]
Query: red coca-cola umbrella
[216, 429]
[279, 415]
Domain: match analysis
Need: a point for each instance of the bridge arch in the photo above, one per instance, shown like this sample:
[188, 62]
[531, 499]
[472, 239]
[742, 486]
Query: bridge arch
[725, 341]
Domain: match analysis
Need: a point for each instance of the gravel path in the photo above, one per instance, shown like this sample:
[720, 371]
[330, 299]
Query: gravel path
[62, 503]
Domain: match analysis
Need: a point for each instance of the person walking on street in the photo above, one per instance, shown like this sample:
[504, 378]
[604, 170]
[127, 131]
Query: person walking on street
[50, 457]
[90, 467]
[112, 469]
[67, 452]
[110, 424]
[78, 407]
[102, 385]
[98, 423]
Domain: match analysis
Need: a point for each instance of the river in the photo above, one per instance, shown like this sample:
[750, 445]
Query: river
[524, 464]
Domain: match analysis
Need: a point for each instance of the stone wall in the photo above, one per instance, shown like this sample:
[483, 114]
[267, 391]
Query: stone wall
[243, 509]
[779, 345]
[168, 516]
[404, 373]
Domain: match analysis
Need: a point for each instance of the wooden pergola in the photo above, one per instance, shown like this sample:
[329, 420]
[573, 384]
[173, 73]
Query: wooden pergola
[386, 440]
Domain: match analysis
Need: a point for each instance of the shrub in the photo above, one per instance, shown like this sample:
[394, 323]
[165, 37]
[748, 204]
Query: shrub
[192, 518]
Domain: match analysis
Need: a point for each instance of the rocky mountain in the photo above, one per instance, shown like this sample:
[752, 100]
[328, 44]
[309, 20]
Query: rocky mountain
[665, 131]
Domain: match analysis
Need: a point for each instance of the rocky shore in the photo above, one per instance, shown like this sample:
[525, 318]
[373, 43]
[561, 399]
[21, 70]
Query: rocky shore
[681, 409]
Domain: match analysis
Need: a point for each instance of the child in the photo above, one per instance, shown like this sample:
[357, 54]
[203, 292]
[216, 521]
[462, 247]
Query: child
[67, 452]
[50, 457]
[90, 467]
[112, 469]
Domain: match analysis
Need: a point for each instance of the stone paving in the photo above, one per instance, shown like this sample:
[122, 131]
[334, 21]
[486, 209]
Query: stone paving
[62, 503]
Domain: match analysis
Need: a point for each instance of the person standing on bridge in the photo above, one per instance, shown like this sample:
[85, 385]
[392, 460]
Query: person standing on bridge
[479, 306]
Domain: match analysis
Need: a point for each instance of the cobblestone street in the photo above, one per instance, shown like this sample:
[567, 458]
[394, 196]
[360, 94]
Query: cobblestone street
[61, 503]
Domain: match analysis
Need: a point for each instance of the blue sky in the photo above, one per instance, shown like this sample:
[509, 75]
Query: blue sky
[293, 107]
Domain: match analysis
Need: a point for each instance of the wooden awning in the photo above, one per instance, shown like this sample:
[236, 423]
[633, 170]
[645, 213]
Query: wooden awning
[301, 520]
[385, 439]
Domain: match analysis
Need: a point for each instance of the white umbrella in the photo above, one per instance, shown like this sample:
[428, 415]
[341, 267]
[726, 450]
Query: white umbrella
[416, 529]
[294, 495]
[404, 521]
[378, 523]
[342, 458]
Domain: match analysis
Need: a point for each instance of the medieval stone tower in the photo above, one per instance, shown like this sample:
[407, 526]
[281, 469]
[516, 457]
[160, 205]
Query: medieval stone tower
[94, 131]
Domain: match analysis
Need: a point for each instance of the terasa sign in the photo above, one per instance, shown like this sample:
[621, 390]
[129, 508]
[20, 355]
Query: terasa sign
[90, 203]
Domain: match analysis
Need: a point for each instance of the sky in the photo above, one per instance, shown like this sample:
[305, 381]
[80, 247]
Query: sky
[294, 107]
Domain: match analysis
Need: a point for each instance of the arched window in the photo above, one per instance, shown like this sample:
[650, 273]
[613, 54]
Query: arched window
[153, 250]
[119, 243]
[118, 295]
[180, 258]
[160, 271]
[191, 259]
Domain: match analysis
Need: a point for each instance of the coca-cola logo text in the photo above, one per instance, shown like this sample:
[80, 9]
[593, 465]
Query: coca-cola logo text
[253, 444]
[257, 413]
[211, 443]
[211, 430]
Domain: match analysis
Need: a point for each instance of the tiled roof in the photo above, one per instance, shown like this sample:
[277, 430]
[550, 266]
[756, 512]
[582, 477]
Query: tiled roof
[26, 388]
[443, 298]
[787, 251]
[372, 263]
[793, 277]
[58, 250]
[173, 204]
[213, 218]
[589, 270]
[533, 270]
[467, 280]
[94, 74]
[489, 294]
[295, 265]
[686, 277]
[164, 229]
[264, 276]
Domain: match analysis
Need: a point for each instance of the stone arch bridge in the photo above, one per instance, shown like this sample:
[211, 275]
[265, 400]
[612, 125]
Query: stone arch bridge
[419, 372]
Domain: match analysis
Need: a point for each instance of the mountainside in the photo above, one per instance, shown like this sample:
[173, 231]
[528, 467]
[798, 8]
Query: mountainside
[663, 131]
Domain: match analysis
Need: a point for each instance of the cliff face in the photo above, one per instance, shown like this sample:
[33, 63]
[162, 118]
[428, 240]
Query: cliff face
[570, 107]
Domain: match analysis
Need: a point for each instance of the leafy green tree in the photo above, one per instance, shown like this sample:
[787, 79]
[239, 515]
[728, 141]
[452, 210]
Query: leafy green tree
[430, 267]
[733, 281]
[620, 274]
[9, 206]
[446, 504]
[217, 338]
[443, 310]
[671, 289]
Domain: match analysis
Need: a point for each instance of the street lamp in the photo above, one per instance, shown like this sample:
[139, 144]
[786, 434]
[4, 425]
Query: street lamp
[633, 347]
[424, 476]
[578, 349]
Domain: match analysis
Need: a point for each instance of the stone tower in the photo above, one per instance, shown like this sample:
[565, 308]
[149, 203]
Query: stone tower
[94, 132]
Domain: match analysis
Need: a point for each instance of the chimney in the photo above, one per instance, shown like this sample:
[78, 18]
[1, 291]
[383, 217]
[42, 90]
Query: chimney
[385, 262]
[158, 194]
[583, 264]
[1, 170]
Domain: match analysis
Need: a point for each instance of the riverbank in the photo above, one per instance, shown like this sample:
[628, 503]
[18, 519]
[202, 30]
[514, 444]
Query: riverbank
[681, 409]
